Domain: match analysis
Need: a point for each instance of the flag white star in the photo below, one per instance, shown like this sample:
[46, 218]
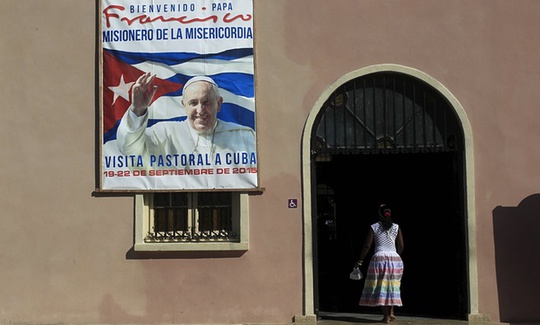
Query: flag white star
[122, 90]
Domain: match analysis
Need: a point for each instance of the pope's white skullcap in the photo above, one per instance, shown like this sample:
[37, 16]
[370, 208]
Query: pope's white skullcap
[199, 78]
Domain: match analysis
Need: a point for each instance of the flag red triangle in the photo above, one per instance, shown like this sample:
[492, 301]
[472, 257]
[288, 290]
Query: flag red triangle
[117, 73]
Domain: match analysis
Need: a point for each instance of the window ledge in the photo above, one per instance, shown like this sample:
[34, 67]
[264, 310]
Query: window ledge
[193, 247]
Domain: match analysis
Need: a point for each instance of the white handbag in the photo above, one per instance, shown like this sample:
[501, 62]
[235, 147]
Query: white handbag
[356, 274]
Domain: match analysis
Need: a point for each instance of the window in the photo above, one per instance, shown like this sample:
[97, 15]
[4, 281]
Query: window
[191, 221]
[386, 112]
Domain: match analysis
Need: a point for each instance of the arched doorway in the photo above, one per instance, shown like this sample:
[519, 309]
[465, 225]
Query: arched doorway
[389, 136]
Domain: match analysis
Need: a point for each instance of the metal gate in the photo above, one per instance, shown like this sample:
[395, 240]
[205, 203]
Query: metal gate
[386, 112]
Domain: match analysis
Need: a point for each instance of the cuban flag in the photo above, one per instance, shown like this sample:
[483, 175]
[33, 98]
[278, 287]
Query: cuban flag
[232, 70]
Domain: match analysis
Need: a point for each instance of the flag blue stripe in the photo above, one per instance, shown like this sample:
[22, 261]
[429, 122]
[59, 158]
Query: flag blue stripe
[237, 114]
[172, 58]
[241, 84]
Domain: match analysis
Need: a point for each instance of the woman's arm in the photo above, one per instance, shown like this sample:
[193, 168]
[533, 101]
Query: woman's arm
[399, 242]
[366, 247]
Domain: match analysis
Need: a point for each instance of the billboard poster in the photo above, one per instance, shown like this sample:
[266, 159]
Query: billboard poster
[177, 95]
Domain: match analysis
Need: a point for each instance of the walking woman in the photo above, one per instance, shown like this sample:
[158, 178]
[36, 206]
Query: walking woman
[383, 276]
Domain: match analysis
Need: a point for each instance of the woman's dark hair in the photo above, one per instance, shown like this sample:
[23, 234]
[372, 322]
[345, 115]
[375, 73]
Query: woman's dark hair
[385, 213]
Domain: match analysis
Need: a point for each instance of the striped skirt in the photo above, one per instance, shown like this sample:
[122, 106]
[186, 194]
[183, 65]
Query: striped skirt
[383, 280]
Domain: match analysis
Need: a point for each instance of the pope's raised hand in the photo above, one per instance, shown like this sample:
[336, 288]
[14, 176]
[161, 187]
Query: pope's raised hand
[142, 93]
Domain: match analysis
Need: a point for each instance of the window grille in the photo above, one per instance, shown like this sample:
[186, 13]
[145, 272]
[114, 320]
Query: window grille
[192, 217]
[385, 112]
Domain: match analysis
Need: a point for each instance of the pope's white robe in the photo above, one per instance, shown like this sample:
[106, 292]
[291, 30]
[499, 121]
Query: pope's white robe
[228, 151]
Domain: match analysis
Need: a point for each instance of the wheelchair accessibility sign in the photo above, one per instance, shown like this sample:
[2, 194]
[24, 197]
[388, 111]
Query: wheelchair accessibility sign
[293, 203]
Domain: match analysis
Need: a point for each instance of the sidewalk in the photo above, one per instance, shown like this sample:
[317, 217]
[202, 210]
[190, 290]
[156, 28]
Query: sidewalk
[354, 319]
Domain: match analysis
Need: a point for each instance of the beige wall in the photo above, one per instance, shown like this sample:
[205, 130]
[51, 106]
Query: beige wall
[485, 52]
[65, 255]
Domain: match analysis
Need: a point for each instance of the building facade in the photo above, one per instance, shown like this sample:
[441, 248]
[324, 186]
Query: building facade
[429, 106]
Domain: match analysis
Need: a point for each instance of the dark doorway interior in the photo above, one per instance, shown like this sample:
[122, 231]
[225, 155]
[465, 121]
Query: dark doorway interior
[426, 194]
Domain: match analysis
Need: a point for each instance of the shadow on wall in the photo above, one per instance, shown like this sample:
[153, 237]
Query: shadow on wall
[517, 258]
